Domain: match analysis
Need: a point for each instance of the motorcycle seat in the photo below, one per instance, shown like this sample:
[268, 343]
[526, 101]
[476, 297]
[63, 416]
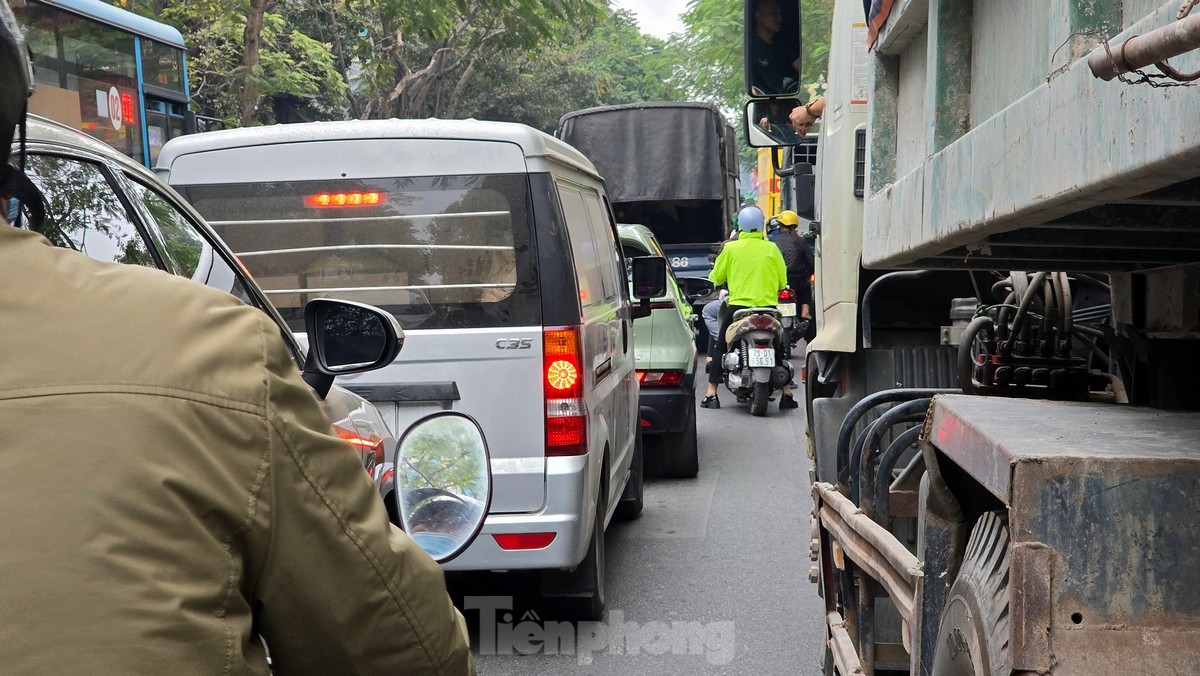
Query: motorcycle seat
[740, 319]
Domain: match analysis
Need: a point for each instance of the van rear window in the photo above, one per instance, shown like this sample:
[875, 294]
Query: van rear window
[438, 252]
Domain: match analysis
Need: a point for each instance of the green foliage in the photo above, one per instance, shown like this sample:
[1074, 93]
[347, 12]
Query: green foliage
[522, 60]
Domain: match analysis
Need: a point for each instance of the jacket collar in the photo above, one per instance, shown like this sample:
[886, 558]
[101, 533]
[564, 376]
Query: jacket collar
[751, 234]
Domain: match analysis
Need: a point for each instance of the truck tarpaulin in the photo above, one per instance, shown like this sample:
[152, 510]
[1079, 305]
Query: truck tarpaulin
[672, 151]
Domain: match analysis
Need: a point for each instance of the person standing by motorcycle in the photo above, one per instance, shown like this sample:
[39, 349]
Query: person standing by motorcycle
[173, 495]
[754, 271]
[798, 258]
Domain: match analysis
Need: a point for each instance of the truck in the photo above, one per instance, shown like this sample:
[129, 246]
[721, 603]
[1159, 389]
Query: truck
[1002, 391]
[672, 167]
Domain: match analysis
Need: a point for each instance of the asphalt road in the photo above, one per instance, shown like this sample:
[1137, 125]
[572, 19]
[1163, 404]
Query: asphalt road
[711, 579]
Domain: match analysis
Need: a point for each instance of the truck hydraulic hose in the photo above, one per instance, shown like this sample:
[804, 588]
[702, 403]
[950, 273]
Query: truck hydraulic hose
[966, 361]
[865, 404]
[887, 464]
[1023, 308]
[864, 489]
[862, 457]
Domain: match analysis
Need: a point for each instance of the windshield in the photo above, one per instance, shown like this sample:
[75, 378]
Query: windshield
[437, 252]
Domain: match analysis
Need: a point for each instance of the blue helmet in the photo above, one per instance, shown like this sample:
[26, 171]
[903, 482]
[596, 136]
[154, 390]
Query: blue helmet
[750, 219]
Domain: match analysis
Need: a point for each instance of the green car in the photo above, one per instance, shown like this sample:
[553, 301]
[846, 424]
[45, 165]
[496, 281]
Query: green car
[665, 357]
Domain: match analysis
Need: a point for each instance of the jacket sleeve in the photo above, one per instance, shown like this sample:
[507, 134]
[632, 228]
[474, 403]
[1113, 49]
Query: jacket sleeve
[780, 267]
[341, 590]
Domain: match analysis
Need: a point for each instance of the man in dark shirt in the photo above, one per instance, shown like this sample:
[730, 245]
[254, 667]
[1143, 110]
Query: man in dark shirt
[774, 70]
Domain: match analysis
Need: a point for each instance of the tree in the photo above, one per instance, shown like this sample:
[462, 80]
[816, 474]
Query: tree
[609, 64]
[243, 52]
[410, 58]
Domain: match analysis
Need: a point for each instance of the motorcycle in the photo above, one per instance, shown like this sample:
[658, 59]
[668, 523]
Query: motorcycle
[794, 326]
[756, 364]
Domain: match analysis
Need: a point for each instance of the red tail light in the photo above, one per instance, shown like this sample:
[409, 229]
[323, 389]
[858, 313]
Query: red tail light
[786, 295]
[566, 421]
[371, 447]
[344, 199]
[760, 321]
[660, 378]
[511, 541]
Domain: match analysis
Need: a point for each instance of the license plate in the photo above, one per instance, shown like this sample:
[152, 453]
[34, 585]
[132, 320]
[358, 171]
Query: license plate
[787, 309]
[760, 356]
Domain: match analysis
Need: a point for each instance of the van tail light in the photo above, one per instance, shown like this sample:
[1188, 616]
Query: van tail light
[562, 384]
[787, 295]
[371, 447]
[760, 321]
[518, 541]
[660, 378]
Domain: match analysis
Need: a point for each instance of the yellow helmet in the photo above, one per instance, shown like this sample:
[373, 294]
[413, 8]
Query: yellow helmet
[788, 219]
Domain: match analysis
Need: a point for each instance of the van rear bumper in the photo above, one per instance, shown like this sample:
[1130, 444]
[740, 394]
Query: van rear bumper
[568, 513]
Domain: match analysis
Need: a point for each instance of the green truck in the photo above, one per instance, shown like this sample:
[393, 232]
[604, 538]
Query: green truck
[1002, 392]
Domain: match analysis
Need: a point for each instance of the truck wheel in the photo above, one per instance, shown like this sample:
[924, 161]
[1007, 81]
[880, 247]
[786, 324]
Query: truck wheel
[759, 398]
[631, 502]
[680, 453]
[974, 633]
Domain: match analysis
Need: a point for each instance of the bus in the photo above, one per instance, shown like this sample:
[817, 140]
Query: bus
[110, 73]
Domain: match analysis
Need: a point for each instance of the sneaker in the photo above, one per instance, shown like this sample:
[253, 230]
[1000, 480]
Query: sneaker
[787, 401]
[710, 401]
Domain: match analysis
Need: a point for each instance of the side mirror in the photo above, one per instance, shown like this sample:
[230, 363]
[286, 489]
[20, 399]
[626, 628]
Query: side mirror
[649, 281]
[347, 337]
[443, 484]
[767, 124]
[772, 47]
[806, 191]
[698, 288]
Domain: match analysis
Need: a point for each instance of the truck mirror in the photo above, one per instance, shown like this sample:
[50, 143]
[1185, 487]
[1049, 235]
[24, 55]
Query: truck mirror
[767, 125]
[772, 47]
[806, 191]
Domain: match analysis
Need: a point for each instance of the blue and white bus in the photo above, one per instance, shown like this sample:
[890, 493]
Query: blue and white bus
[110, 73]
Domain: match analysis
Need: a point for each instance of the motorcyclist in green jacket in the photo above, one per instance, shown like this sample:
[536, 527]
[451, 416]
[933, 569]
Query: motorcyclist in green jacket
[753, 269]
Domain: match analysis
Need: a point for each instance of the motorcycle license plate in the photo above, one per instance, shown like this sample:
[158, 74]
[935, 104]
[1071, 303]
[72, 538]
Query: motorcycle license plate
[787, 309]
[760, 356]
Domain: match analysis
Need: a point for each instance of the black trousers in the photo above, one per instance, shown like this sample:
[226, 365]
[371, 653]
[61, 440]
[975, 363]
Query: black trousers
[718, 347]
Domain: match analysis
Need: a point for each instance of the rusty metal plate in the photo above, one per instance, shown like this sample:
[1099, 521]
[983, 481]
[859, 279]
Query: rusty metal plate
[986, 436]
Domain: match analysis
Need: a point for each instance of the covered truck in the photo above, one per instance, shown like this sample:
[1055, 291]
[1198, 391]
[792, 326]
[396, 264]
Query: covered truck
[669, 166]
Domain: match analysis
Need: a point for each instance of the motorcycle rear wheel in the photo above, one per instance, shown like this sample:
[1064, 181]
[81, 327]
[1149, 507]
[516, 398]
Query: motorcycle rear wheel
[759, 398]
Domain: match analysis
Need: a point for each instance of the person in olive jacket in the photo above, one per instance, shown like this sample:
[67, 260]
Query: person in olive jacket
[172, 494]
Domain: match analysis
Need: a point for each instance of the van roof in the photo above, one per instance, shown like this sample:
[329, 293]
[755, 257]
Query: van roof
[532, 142]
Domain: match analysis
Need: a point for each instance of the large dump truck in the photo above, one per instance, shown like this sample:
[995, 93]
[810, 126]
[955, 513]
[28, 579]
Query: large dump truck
[671, 167]
[1003, 391]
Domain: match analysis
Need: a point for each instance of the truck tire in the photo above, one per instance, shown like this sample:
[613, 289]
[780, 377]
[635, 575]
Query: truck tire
[759, 397]
[973, 638]
[680, 453]
[632, 499]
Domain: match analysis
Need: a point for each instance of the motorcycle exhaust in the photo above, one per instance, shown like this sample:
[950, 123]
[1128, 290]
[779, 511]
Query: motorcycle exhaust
[782, 375]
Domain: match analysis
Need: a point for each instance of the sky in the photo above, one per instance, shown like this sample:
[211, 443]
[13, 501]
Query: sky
[656, 17]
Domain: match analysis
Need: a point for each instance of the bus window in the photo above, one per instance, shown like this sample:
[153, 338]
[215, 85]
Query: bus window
[86, 75]
[162, 65]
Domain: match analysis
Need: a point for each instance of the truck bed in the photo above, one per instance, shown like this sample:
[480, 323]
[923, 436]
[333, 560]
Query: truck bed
[993, 147]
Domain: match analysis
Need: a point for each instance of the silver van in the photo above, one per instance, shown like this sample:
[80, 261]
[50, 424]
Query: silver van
[494, 246]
